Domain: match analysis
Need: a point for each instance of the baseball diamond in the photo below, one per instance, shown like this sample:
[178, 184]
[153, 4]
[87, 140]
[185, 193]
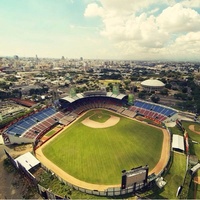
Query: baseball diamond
[91, 154]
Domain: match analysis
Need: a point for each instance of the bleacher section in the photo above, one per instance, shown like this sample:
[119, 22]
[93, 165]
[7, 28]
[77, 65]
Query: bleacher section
[32, 125]
[39, 123]
[79, 106]
[154, 111]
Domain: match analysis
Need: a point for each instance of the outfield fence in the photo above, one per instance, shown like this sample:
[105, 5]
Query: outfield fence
[109, 192]
[117, 191]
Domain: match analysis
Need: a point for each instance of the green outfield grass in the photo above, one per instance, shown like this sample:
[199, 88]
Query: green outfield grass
[174, 179]
[99, 155]
[50, 133]
[175, 176]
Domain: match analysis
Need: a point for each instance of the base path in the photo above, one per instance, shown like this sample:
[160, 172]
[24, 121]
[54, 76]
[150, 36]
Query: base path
[70, 179]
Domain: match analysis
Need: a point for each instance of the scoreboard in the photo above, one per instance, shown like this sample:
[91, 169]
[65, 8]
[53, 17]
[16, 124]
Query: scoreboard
[134, 176]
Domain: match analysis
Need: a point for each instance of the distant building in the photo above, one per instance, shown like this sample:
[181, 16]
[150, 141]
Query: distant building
[152, 85]
[16, 57]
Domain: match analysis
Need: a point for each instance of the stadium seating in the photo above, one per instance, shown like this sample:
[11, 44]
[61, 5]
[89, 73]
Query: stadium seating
[35, 123]
[151, 110]
[85, 104]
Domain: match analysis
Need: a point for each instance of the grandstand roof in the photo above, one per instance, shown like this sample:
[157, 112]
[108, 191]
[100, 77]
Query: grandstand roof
[120, 96]
[95, 93]
[152, 83]
[69, 99]
[80, 96]
[178, 142]
[109, 94]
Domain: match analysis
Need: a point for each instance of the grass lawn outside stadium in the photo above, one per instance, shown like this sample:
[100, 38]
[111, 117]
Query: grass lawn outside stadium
[99, 155]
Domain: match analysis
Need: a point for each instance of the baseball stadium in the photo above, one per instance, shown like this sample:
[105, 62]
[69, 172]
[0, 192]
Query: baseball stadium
[97, 141]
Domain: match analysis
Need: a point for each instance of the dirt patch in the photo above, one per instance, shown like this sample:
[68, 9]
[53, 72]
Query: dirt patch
[13, 185]
[191, 127]
[196, 179]
[113, 120]
[165, 154]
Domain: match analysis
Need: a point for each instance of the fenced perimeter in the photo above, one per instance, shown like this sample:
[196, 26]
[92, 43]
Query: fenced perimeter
[108, 190]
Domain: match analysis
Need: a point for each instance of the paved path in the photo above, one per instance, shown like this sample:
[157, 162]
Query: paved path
[12, 185]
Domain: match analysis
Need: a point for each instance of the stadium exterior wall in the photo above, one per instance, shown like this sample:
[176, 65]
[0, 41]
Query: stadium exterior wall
[172, 118]
[11, 139]
[152, 88]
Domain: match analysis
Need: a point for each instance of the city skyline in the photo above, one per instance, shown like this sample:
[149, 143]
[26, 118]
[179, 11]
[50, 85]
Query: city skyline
[101, 29]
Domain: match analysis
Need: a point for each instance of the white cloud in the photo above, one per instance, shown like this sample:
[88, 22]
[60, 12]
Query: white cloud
[191, 3]
[135, 32]
[93, 10]
[141, 28]
[188, 42]
[179, 19]
[120, 7]
[186, 46]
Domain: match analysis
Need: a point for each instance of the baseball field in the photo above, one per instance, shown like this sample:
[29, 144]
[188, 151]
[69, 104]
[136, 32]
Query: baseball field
[100, 144]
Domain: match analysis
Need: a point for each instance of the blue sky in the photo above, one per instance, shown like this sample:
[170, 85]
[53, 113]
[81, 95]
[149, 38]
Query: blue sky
[101, 29]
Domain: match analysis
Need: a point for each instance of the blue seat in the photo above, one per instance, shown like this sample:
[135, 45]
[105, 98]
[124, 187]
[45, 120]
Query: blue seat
[21, 126]
[14, 130]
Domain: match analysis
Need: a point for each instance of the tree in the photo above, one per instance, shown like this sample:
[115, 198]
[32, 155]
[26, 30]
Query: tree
[168, 86]
[184, 90]
[155, 98]
[142, 95]
[180, 96]
[4, 86]
[3, 95]
[135, 89]
[12, 78]
[16, 93]
[164, 92]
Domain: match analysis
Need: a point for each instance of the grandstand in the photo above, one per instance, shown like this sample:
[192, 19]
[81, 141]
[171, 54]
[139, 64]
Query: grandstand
[154, 111]
[90, 100]
[27, 129]
[118, 103]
